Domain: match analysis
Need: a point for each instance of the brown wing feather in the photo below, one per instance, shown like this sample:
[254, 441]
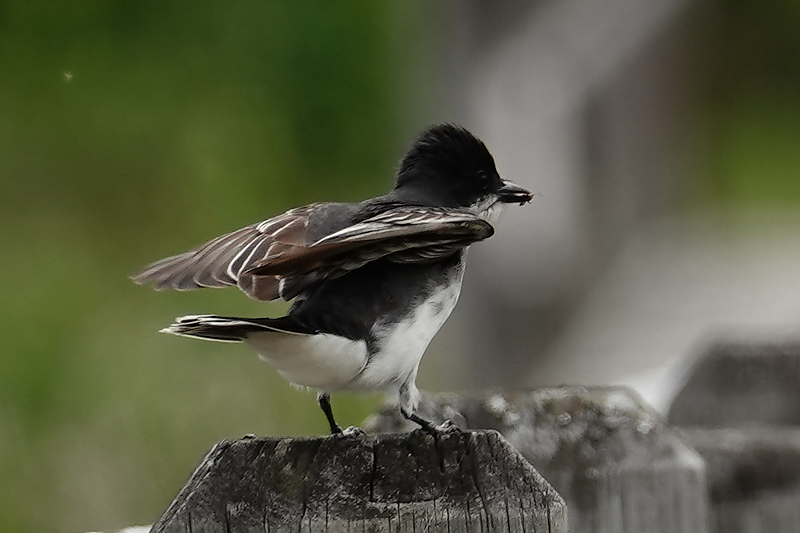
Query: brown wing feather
[221, 262]
[273, 259]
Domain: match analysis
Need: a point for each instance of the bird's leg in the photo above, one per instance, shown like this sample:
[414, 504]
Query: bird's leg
[426, 425]
[408, 398]
[324, 400]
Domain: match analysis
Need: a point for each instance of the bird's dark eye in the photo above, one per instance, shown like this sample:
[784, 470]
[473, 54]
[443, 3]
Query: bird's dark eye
[484, 180]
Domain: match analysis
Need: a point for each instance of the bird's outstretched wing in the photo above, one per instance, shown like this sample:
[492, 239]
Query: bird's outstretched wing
[280, 257]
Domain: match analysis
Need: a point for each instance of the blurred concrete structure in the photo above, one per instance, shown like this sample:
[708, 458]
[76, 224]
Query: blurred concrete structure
[581, 101]
[675, 287]
[601, 280]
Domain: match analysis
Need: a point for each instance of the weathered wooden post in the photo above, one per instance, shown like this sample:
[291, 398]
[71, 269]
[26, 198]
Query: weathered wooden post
[413, 482]
[612, 459]
[738, 384]
[740, 409]
[753, 478]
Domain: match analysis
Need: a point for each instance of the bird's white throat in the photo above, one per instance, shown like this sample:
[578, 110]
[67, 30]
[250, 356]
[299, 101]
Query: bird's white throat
[488, 208]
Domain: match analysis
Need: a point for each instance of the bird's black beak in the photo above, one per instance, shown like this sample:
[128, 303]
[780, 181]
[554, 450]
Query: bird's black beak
[511, 193]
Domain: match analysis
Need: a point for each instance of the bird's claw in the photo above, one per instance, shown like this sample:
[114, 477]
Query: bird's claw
[353, 431]
[448, 426]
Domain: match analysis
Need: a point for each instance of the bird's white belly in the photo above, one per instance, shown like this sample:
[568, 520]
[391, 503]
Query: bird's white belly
[402, 344]
[329, 362]
[323, 361]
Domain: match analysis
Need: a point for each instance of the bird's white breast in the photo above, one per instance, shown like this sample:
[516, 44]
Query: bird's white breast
[403, 343]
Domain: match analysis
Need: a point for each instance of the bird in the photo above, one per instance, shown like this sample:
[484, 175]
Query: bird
[370, 283]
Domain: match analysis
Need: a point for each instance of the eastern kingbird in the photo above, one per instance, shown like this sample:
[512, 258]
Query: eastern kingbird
[372, 282]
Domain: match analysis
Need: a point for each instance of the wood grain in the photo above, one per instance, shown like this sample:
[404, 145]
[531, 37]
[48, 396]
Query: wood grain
[412, 482]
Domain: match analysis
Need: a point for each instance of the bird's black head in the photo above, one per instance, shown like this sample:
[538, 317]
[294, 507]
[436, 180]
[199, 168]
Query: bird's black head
[448, 166]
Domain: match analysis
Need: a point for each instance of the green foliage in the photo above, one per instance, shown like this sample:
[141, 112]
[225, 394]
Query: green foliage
[753, 112]
[130, 130]
[756, 153]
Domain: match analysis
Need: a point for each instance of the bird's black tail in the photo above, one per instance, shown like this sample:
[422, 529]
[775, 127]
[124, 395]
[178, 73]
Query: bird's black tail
[231, 329]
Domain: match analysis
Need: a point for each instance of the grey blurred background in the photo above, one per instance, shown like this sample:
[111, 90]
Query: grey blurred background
[662, 137]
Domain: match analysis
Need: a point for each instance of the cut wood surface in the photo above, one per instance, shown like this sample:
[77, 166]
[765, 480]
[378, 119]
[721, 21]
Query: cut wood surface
[412, 482]
[612, 459]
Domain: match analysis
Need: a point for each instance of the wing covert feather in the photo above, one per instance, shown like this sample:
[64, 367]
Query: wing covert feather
[406, 232]
[267, 258]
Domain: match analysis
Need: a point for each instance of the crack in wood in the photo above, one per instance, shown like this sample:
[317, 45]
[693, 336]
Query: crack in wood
[398, 483]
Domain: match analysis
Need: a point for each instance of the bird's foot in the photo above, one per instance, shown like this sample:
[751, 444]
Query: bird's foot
[426, 425]
[448, 426]
[353, 431]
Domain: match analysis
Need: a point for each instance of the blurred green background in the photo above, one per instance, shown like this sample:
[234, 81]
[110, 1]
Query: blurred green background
[751, 103]
[131, 130]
